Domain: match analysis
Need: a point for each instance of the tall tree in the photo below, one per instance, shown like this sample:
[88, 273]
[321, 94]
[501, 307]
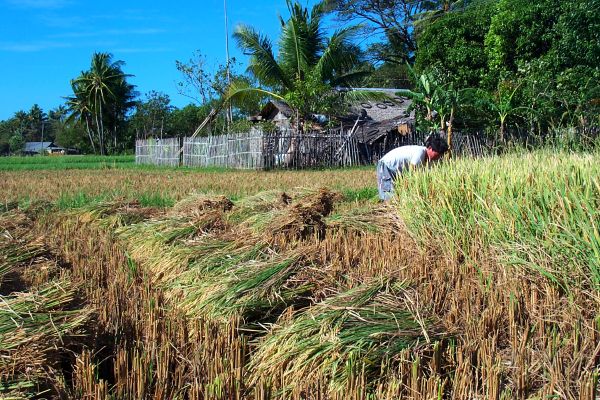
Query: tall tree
[395, 21]
[151, 117]
[102, 97]
[391, 19]
[196, 83]
[308, 64]
[36, 123]
[454, 43]
[207, 88]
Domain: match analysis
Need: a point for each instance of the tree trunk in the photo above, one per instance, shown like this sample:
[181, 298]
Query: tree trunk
[100, 123]
[89, 132]
[449, 134]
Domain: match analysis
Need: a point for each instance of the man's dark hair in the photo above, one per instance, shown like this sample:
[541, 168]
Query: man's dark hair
[437, 143]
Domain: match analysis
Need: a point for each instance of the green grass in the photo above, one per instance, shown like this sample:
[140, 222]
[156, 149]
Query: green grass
[65, 162]
[82, 199]
[68, 162]
[359, 195]
[77, 200]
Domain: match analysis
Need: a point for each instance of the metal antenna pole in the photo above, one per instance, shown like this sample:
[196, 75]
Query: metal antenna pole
[229, 112]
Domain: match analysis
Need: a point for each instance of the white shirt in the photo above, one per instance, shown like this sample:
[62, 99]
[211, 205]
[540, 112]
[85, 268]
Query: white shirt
[400, 158]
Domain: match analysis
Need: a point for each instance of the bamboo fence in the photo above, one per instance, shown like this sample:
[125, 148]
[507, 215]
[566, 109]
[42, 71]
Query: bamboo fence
[157, 151]
[287, 149]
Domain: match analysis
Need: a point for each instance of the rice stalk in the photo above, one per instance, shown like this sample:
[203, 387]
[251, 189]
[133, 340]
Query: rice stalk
[337, 338]
[252, 289]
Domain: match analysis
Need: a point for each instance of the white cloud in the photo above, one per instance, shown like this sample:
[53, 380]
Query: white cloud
[32, 47]
[46, 4]
[141, 50]
[109, 32]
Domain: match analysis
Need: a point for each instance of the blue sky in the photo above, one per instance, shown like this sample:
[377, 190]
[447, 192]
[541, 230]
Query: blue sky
[46, 43]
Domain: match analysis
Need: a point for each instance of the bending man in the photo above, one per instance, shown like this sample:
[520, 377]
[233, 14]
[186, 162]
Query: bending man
[402, 158]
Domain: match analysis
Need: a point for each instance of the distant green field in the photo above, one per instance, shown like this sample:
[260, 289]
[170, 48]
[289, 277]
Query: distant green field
[65, 162]
[33, 163]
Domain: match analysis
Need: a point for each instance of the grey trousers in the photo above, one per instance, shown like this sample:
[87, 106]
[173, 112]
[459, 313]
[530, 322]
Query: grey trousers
[385, 181]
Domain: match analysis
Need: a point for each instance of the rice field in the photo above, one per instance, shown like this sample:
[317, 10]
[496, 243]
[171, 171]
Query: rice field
[65, 162]
[478, 281]
[165, 186]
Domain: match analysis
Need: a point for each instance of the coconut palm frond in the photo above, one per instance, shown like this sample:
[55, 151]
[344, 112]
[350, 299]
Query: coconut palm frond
[366, 95]
[238, 91]
[262, 61]
[336, 58]
[350, 79]
[410, 94]
[302, 40]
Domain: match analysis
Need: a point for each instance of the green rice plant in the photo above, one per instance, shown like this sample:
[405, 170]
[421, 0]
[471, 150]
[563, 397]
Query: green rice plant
[155, 199]
[77, 200]
[109, 215]
[215, 256]
[65, 162]
[257, 210]
[172, 228]
[538, 211]
[163, 231]
[253, 288]
[351, 333]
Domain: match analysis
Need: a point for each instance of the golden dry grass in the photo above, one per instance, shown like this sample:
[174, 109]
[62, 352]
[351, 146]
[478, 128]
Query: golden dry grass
[174, 184]
[304, 296]
[482, 331]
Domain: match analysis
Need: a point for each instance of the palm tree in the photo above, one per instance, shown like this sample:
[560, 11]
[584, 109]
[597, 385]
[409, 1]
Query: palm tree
[36, 119]
[58, 114]
[79, 109]
[308, 64]
[101, 96]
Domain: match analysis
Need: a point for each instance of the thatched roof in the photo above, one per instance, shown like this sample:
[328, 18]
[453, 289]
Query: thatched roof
[396, 108]
[375, 118]
[273, 110]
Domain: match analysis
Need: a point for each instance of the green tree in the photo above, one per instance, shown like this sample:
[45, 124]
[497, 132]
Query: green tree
[9, 128]
[502, 104]
[435, 9]
[207, 89]
[391, 20]
[395, 21]
[73, 135]
[454, 44]
[437, 97]
[152, 116]
[184, 121]
[36, 123]
[101, 98]
[196, 81]
[16, 143]
[520, 31]
[426, 95]
[307, 66]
